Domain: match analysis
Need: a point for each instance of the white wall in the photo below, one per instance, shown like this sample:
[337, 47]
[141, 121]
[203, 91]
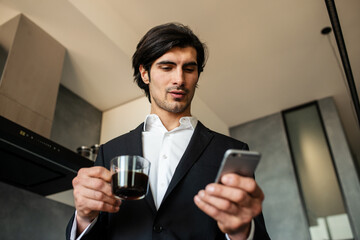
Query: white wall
[202, 111]
[122, 119]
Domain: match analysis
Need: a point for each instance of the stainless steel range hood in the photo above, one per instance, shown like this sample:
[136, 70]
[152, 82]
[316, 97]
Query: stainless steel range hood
[34, 163]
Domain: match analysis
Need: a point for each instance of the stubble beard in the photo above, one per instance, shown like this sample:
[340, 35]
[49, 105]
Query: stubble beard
[173, 107]
[176, 105]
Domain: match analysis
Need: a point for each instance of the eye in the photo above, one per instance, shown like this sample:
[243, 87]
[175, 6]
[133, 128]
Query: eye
[166, 67]
[190, 69]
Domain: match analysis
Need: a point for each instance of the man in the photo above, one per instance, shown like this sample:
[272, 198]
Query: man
[183, 202]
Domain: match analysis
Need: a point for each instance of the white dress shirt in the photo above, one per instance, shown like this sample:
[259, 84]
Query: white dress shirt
[164, 150]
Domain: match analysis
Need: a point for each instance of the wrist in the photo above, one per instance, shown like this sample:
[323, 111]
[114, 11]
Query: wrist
[243, 233]
[83, 222]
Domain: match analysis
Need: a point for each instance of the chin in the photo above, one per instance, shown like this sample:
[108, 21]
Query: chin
[179, 108]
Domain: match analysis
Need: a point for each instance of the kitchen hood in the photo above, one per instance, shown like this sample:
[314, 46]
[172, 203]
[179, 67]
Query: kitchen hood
[32, 162]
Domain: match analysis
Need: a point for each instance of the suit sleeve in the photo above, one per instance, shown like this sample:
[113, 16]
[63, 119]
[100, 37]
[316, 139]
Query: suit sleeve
[97, 230]
[260, 229]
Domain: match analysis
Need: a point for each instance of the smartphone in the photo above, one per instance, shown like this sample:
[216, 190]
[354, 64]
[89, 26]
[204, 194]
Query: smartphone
[237, 161]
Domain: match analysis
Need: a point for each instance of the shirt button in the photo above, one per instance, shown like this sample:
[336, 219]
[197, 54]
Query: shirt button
[164, 156]
[158, 229]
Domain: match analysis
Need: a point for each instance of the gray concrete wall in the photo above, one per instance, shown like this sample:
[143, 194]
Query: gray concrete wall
[343, 161]
[25, 215]
[76, 122]
[284, 215]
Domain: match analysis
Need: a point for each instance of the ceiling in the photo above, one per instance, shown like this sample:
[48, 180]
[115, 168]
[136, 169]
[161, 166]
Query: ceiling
[265, 56]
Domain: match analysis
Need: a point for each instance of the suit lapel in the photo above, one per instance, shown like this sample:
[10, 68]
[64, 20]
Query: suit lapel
[134, 141]
[135, 147]
[197, 145]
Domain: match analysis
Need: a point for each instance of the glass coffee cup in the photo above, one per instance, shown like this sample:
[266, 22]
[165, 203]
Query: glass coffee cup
[130, 177]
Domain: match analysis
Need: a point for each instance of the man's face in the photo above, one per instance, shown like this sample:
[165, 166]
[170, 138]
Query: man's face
[173, 79]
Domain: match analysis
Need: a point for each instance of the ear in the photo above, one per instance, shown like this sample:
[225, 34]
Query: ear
[144, 74]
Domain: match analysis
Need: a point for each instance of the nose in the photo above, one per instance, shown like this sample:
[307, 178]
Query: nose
[179, 77]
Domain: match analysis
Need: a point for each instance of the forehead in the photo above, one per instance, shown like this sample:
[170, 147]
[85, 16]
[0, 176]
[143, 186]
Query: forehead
[177, 55]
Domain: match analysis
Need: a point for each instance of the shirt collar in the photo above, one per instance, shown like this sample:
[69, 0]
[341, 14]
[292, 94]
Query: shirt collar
[152, 121]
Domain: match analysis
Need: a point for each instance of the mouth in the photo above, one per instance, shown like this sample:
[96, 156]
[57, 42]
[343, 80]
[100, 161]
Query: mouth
[178, 93]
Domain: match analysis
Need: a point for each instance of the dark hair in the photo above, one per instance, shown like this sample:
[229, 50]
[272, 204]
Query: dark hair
[159, 40]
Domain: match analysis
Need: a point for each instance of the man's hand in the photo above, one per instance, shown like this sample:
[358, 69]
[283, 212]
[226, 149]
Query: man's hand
[92, 194]
[233, 204]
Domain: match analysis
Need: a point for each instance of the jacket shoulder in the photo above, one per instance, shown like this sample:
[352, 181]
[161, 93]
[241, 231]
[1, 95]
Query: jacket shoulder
[222, 139]
[125, 137]
[127, 144]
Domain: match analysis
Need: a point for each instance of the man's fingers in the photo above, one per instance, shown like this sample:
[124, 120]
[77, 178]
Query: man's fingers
[208, 208]
[233, 204]
[232, 194]
[245, 183]
[97, 195]
[95, 206]
[93, 193]
[237, 196]
[227, 222]
[96, 172]
[95, 178]
[219, 203]
[94, 184]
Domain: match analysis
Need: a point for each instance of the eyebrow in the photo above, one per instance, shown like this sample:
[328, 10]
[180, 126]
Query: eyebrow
[190, 64]
[172, 63]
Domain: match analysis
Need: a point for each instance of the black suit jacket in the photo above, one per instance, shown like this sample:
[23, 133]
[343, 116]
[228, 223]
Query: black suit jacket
[177, 217]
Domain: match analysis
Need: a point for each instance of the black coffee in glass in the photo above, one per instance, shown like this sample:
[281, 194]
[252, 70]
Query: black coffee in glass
[129, 185]
[130, 177]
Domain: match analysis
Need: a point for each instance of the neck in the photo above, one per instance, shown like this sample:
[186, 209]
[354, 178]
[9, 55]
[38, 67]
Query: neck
[170, 120]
